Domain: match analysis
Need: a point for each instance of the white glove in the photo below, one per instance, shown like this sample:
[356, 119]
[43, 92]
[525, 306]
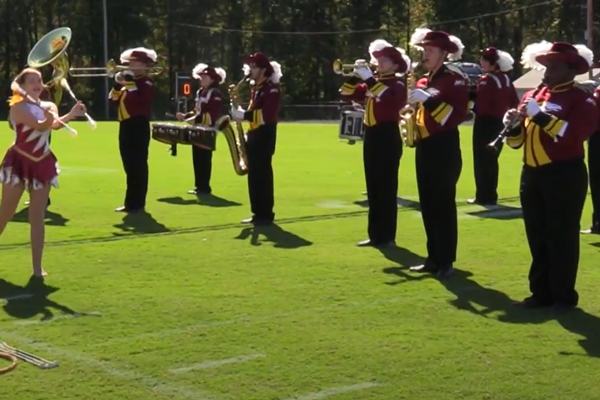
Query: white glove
[418, 96]
[238, 114]
[363, 72]
[533, 108]
[121, 76]
[508, 118]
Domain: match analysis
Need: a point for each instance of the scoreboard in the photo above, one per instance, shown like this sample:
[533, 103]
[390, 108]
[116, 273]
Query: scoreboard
[185, 92]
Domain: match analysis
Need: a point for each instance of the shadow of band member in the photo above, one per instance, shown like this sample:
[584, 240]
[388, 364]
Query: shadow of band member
[274, 234]
[141, 223]
[209, 200]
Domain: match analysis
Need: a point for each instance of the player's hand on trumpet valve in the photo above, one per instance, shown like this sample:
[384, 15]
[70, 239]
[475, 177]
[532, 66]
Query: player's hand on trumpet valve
[238, 113]
[532, 108]
[180, 116]
[418, 96]
[363, 72]
[123, 76]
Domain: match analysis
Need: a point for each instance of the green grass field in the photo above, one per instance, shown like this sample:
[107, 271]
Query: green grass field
[189, 304]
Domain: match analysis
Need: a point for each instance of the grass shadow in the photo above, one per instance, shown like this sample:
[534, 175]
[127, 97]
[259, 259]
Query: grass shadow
[404, 258]
[52, 218]
[140, 223]
[275, 234]
[204, 200]
[498, 211]
[24, 302]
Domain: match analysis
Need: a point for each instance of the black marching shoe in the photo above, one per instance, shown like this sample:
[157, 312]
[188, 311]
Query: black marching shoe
[257, 221]
[197, 192]
[533, 302]
[380, 245]
[482, 203]
[129, 210]
[445, 271]
[428, 267]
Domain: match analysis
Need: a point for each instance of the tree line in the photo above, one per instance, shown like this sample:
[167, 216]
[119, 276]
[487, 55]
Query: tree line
[304, 36]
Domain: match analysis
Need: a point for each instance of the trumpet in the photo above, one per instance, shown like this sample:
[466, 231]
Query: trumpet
[496, 144]
[111, 69]
[340, 68]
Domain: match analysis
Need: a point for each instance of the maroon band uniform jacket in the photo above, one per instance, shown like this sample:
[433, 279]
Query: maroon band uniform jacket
[208, 106]
[134, 99]
[265, 98]
[495, 95]
[597, 98]
[384, 97]
[569, 117]
[448, 105]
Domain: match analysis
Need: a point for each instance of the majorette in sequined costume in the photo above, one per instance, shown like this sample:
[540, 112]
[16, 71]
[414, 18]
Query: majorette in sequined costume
[29, 160]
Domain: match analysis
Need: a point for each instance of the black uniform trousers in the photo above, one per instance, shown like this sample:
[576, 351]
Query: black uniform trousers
[439, 164]
[485, 161]
[134, 141]
[382, 151]
[202, 159]
[552, 199]
[594, 167]
[260, 148]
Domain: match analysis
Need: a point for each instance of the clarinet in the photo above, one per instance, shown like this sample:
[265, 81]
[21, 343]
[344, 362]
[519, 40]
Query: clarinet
[501, 138]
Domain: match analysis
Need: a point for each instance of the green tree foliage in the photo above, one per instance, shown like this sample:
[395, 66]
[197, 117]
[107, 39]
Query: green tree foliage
[185, 32]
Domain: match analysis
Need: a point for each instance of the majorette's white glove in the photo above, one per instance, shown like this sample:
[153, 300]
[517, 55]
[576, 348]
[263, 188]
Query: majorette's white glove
[418, 96]
[363, 72]
[238, 114]
[533, 108]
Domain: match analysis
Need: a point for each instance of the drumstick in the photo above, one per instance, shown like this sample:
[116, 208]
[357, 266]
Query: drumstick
[65, 84]
[16, 88]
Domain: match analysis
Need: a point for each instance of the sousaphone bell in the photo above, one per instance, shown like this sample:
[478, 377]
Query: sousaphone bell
[51, 50]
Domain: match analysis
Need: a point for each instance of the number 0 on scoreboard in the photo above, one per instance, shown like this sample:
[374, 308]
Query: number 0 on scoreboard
[185, 88]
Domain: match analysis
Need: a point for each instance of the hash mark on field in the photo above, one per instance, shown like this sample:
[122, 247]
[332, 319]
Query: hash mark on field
[170, 390]
[335, 391]
[218, 363]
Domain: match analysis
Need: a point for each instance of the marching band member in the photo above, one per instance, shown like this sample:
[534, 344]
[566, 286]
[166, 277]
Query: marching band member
[495, 96]
[262, 114]
[207, 111]
[133, 94]
[384, 98]
[558, 121]
[29, 164]
[594, 167]
[442, 97]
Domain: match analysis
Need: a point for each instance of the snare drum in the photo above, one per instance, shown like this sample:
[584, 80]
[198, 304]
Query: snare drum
[168, 133]
[200, 136]
[351, 125]
[171, 134]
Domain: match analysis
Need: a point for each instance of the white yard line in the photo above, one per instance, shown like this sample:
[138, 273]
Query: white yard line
[262, 318]
[335, 391]
[170, 390]
[217, 363]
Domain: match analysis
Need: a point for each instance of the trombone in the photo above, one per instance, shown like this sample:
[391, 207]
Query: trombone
[340, 68]
[111, 69]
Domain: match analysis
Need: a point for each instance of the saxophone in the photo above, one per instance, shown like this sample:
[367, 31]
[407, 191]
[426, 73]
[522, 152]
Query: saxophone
[408, 117]
[237, 144]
